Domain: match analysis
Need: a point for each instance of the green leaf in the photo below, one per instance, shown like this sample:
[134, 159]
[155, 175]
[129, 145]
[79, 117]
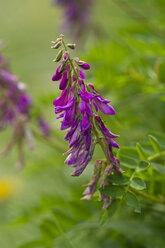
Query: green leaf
[48, 228]
[141, 152]
[118, 179]
[113, 207]
[158, 167]
[129, 151]
[138, 183]
[112, 190]
[132, 201]
[154, 143]
[143, 165]
[104, 217]
[127, 162]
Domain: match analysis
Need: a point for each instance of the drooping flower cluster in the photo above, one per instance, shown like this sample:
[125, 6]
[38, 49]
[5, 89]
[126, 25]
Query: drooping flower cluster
[77, 14]
[77, 106]
[14, 109]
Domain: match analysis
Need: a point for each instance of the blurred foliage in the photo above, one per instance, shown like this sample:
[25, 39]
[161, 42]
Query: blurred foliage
[40, 205]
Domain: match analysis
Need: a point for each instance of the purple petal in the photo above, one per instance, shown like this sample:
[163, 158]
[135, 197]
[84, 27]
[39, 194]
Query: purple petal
[75, 137]
[64, 81]
[114, 143]
[104, 129]
[82, 107]
[69, 118]
[60, 116]
[89, 109]
[58, 75]
[85, 66]
[71, 130]
[85, 123]
[87, 139]
[82, 75]
[101, 99]
[84, 96]
[105, 108]
[69, 105]
[62, 99]
[82, 64]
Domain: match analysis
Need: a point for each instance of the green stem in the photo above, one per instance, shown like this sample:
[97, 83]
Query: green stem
[149, 197]
[156, 156]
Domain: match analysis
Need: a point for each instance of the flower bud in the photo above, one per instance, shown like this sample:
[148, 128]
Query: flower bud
[82, 64]
[57, 45]
[65, 56]
[71, 46]
[57, 40]
[59, 56]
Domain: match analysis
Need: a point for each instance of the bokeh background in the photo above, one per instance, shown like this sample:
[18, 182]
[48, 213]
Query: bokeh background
[40, 205]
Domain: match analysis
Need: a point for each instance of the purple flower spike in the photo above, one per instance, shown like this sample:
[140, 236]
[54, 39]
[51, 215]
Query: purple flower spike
[77, 106]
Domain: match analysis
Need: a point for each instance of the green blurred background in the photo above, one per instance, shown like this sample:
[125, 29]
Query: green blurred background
[40, 205]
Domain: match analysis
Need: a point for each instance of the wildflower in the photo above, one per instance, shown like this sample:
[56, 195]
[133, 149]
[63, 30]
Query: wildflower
[77, 106]
[15, 106]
